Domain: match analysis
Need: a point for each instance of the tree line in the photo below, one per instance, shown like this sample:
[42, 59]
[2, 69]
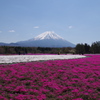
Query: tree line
[94, 48]
[34, 50]
[79, 49]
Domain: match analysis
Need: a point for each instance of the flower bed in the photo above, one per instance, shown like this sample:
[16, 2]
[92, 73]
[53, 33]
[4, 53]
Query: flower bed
[29, 58]
[74, 79]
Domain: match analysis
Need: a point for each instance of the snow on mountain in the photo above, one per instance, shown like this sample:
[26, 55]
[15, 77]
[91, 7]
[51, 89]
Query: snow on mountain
[47, 35]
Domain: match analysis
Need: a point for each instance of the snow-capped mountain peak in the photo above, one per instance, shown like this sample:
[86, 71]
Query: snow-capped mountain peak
[48, 35]
[46, 39]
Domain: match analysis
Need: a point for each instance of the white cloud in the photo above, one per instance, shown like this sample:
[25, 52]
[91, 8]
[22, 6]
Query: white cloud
[70, 27]
[36, 27]
[11, 31]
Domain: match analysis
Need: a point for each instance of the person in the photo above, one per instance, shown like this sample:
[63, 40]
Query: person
[58, 53]
[19, 53]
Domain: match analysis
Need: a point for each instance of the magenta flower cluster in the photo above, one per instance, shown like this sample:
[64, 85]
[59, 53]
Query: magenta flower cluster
[74, 79]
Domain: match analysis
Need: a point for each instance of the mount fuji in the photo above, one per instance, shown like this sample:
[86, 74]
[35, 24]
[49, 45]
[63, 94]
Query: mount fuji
[46, 39]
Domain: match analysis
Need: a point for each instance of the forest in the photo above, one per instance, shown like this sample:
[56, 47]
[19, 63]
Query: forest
[80, 48]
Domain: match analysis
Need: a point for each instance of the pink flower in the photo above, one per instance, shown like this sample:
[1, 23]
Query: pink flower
[58, 79]
[78, 99]
[75, 90]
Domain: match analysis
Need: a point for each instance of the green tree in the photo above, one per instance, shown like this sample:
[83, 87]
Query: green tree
[95, 47]
[87, 48]
[80, 49]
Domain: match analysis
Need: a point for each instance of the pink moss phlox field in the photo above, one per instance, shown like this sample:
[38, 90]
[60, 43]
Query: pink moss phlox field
[74, 79]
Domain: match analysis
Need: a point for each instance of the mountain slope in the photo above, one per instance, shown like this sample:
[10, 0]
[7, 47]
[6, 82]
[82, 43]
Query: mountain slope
[46, 39]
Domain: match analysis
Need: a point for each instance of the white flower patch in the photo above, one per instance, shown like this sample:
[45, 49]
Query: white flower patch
[29, 58]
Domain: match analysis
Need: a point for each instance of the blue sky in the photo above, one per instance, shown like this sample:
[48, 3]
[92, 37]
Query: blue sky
[77, 21]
